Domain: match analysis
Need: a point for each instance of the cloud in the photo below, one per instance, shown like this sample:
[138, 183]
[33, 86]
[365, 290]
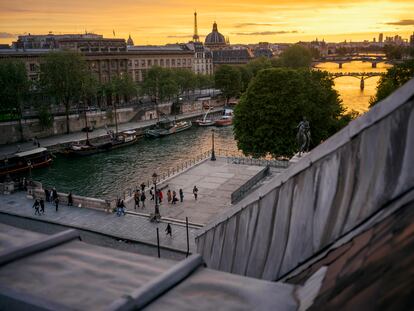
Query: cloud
[403, 22]
[242, 25]
[179, 36]
[7, 35]
[264, 33]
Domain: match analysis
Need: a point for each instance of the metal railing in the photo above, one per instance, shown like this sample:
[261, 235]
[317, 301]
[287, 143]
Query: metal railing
[237, 157]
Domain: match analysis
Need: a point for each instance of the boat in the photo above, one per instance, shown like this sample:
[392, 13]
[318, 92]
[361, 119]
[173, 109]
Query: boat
[205, 121]
[166, 127]
[226, 119]
[24, 161]
[122, 139]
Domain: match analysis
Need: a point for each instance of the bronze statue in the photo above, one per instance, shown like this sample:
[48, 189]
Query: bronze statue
[303, 136]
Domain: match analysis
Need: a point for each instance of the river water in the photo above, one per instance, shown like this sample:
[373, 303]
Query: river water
[107, 175]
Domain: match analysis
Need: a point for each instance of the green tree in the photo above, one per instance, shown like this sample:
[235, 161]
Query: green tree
[62, 76]
[14, 87]
[204, 81]
[392, 80]
[186, 79]
[269, 111]
[124, 87]
[159, 84]
[296, 56]
[394, 51]
[258, 64]
[228, 79]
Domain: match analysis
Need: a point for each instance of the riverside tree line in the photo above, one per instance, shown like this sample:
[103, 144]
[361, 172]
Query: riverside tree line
[274, 94]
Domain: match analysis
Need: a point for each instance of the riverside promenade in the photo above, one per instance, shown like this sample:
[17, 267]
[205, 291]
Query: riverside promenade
[52, 141]
[130, 227]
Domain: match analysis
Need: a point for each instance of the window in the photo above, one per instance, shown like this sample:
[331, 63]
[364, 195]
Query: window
[113, 64]
[173, 62]
[162, 62]
[143, 63]
[155, 62]
[149, 63]
[167, 62]
[32, 67]
[178, 62]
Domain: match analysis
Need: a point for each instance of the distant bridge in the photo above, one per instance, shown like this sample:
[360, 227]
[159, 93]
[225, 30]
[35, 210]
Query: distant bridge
[362, 76]
[340, 60]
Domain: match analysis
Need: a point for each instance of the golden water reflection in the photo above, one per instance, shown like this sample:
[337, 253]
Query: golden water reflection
[348, 87]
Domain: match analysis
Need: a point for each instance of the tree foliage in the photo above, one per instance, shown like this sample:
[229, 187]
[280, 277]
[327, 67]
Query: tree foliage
[64, 76]
[228, 79]
[159, 84]
[268, 113]
[392, 80]
[296, 56]
[14, 87]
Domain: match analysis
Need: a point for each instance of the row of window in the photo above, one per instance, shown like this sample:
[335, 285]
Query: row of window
[161, 62]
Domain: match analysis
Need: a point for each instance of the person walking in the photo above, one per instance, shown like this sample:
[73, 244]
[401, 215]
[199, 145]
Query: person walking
[168, 230]
[143, 198]
[36, 205]
[70, 199]
[143, 187]
[174, 197]
[122, 207]
[137, 197]
[47, 195]
[42, 206]
[161, 196]
[169, 196]
[152, 193]
[56, 203]
[181, 195]
[118, 208]
[51, 198]
[54, 194]
[195, 192]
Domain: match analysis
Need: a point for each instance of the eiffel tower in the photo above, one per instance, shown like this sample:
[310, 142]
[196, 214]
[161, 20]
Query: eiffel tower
[196, 38]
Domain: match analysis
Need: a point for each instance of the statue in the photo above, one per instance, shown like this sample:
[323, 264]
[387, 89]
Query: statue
[303, 136]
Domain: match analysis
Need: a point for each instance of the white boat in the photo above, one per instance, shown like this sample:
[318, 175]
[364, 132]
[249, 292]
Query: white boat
[205, 121]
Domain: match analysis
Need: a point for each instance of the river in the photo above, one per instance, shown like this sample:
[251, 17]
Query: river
[107, 175]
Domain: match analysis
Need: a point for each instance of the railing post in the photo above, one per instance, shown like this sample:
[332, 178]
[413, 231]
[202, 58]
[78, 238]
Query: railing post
[158, 243]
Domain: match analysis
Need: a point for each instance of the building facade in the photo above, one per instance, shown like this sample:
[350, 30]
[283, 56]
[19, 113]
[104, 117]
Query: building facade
[142, 58]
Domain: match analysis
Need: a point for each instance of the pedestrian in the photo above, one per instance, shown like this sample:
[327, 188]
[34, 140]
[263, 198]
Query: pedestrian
[136, 198]
[51, 198]
[161, 196]
[143, 186]
[36, 205]
[122, 206]
[42, 205]
[54, 193]
[152, 193]
[118, 208]
[168, 230]
[181, 195]
[70, 199]
[57, 203]
[174, 197]
[47, 195]
[169, 196]
[195, 192]
[143, 197]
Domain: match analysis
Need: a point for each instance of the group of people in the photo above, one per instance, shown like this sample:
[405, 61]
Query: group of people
[120, 208]
[51, 196]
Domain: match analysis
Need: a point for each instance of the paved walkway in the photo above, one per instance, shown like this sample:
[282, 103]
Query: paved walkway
[215, 180]
[77, 136]
[131, 227]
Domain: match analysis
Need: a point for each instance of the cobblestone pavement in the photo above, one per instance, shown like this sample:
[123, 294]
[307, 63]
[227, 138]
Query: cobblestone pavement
[76, 136]
[130, 227]
[215, 180]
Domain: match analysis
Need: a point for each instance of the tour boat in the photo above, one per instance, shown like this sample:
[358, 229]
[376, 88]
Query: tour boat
[205, 121]
[24, 161]
[123, 139]
[226, 119]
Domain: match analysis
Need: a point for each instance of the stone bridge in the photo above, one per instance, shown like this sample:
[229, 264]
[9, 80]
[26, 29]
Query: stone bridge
[362, 76]
[339, 186]
[340, 60]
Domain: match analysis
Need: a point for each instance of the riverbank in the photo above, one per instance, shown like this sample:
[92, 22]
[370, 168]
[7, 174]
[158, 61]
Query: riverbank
[55, 143]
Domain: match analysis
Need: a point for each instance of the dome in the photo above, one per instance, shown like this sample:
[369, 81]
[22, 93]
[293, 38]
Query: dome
[215, 38]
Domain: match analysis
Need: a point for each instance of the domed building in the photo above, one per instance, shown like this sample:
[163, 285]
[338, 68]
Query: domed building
[215, 39]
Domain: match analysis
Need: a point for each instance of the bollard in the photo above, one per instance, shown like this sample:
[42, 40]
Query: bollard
[158, 243]
[188, 239]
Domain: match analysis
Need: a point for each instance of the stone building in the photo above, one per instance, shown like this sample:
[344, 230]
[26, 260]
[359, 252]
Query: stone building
[142, 58]
[215, 40]
[203, 58]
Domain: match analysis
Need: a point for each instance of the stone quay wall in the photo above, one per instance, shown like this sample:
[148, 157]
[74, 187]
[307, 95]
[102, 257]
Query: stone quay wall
[329, 192]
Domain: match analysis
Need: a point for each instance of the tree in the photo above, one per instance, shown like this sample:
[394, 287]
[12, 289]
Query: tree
[228, 79]
[296, 56]
[394, 78]
[185, 79]
[14, 87]
[124, 87]
[269, 111]
[62, 76]
[258, 64]
[159, 84]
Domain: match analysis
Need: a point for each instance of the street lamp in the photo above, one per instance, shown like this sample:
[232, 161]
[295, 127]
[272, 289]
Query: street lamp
[157, 210]
[213, 155]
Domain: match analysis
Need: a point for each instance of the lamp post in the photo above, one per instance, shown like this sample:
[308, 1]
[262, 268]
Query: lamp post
[213, 155]
[157, 210]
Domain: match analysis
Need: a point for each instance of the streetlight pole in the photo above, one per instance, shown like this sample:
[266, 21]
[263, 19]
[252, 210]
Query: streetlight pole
[213, 155]
[157, 210]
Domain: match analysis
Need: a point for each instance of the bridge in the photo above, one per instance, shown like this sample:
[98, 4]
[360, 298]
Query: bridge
[340, 60]
[362, 76]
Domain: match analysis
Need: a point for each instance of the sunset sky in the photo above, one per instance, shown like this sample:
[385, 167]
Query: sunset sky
[243, 21]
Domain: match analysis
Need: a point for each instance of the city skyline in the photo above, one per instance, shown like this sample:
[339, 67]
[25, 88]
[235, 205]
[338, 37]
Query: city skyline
[170, 21]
